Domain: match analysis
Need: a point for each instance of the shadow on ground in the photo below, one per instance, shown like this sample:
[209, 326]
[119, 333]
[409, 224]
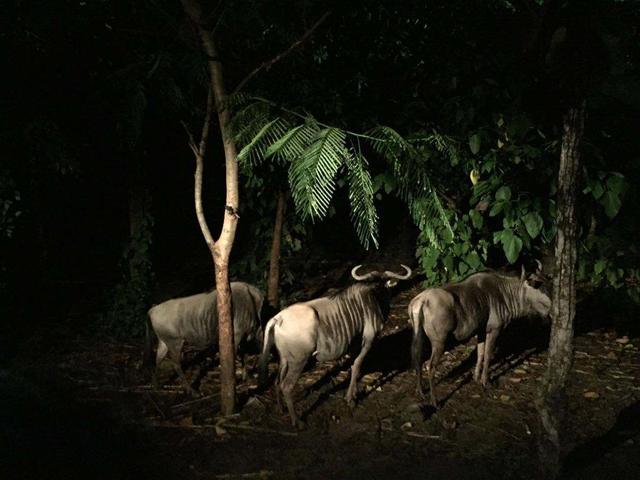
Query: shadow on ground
[600, 450]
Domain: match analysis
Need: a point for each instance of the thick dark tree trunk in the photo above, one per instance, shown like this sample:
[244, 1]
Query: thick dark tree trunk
[220, 249]
[552, 398]
[139, 207]
[273, 291]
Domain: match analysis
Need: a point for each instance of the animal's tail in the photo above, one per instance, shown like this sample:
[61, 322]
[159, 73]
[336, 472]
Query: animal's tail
[147, 359]
[269, 340]
[416, 316]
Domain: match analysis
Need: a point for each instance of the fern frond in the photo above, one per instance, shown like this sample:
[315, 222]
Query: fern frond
[388, 143]
[363, 212]
[312, 174]
[248, 121]
[254, 152]
[429, 215]
[291, 145]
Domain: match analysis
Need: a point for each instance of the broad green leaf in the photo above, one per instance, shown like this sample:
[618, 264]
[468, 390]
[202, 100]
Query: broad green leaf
[473, 260]
[474, 143]
[599, 266]
[448, 263]
[616, 183]
[611, 203]
[597, 189]
[496, 209]
[533, 223]
[476, 218]
[511, 244]
[503, 193]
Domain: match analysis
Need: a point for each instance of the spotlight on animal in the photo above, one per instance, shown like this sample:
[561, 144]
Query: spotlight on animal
[194, 320]
[482, 304]
[325, 327]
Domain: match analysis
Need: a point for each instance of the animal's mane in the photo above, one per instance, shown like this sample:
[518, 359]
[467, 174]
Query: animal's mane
[502, 275]
[344, 291]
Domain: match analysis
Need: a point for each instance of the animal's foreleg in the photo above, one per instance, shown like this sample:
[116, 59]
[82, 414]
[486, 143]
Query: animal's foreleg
[174, 355]
[489, 345]
[243, 363]
[367, 341]
[480, 359]
[437, 349]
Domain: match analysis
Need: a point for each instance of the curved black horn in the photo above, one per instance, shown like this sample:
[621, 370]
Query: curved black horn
[360, 278]
[397, 275]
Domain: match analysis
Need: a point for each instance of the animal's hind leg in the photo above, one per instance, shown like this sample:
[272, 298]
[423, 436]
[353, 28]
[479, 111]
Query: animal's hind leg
[437, 349]
[367, 341]
[479, 361]
[160, 354]
[492, 335]
[278, 386]
[294, 369]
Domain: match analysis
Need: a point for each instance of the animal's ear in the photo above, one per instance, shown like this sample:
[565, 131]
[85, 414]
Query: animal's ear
[523, 274]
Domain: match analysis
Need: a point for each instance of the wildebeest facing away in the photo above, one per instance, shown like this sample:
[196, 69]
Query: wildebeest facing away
[326, 326]
[482, 304]
[194, 320]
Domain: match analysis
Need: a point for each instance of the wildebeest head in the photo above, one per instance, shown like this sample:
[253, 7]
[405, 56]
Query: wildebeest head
[389, 278]
[534, 301]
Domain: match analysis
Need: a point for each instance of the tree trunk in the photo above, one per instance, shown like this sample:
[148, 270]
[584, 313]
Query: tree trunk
[552, 396]
[273, 292]
[221, 248]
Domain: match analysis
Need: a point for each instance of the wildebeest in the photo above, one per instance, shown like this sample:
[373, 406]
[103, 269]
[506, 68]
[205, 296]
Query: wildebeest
[194, 320]
[482, 304]
[326, 326]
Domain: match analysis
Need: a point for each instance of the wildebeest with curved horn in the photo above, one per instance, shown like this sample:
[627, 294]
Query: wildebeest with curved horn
[326, 326]
[482, 304]
[194, 320]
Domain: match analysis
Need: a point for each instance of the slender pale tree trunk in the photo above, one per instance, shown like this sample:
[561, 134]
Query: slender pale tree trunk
[273, 291]
[552, 396]
[220, 249]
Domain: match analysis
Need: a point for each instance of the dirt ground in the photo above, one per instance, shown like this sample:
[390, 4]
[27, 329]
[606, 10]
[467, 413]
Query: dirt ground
[84, 409]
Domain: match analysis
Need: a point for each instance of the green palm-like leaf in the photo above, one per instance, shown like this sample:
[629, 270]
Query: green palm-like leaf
[254, 152]
[291, 145]
[312, 174]
[363, 211]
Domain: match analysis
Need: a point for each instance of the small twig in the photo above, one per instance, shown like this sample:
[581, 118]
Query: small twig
[192, 402]
[422, 435]
[259, 474]
[268, 64]
[259, 429]
[155, 404]
[187, 427]
[497, 429]
[192, 143]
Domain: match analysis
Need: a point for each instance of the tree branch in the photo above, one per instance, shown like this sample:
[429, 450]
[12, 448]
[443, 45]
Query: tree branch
[267, 65]
[198, 152]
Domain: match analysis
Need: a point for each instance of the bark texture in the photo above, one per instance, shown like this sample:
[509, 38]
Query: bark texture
[552, 399]
[221, 248]
[273, 291]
